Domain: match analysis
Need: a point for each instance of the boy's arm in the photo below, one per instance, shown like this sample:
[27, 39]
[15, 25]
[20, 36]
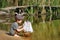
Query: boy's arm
[20, 29]
[15, 27]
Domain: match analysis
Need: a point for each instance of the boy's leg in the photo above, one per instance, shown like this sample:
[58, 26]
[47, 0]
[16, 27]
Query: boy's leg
[20, 33]
[16, 34]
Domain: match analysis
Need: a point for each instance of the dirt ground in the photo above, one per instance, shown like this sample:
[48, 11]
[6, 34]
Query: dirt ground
[5, 36]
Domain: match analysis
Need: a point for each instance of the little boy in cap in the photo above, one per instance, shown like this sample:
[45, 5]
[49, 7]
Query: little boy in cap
[15, 26]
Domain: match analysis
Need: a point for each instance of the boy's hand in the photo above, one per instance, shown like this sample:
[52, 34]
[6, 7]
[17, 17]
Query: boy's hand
[20, 27]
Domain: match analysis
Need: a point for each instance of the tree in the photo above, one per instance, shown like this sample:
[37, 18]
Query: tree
[3, 3]
[43, 13]
[15, 2]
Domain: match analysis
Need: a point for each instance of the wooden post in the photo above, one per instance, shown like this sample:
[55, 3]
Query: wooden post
[43, 14]
[43, 11]
[31, 13]
[8, 19]
[50, 14]
[16, 2]
[50, 11]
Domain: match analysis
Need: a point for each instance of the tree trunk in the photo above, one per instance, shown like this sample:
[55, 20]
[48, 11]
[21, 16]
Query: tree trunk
[50, 11]
[50, 14]
[43, 14]
[16, 2]
[32, 14]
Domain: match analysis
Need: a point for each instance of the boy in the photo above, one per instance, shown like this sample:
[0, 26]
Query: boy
[15, 26]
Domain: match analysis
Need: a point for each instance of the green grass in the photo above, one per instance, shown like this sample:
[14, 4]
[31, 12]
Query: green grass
[42, 31]
[47, 31]
[5, 27]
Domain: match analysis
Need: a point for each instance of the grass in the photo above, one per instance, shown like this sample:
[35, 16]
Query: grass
[47, 31]
[5, 27]
[42, 31]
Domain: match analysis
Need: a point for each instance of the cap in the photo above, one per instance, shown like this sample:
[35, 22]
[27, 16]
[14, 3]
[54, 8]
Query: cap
[19, 17]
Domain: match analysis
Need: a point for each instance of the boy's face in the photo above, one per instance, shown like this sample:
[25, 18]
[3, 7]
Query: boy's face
[19, 21]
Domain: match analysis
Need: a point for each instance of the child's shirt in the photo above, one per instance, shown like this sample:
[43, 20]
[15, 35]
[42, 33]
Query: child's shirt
[27, 26]
[14, 27]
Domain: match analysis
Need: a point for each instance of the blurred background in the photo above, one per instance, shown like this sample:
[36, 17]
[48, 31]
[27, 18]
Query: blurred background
[43, 14]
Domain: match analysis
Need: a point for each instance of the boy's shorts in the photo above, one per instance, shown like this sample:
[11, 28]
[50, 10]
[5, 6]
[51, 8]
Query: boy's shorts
[10, 34]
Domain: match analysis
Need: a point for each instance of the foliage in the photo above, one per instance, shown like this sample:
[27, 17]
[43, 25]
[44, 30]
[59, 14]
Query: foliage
[3, 3]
